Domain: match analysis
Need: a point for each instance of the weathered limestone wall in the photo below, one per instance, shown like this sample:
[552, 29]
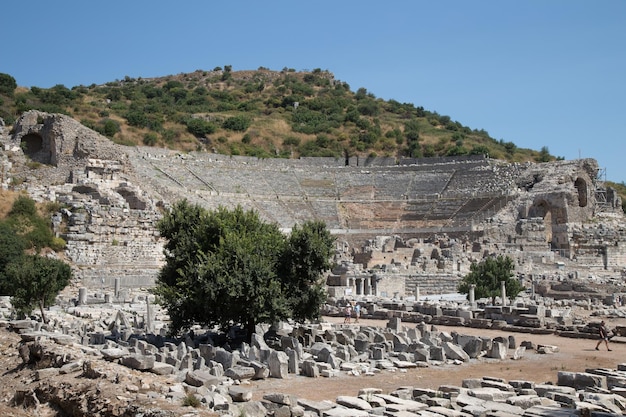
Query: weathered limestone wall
[109, 244]
[432, 284]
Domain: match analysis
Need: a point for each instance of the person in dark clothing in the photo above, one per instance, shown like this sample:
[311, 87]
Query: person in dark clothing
[604, 335]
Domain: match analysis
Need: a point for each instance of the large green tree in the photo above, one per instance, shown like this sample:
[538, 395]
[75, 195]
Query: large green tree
[35, 281]
[487, 275]
[227, 267]
[22, 229]
[31, 280]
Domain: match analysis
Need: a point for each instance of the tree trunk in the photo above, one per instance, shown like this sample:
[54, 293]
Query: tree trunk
[43, 315]
[250, 326]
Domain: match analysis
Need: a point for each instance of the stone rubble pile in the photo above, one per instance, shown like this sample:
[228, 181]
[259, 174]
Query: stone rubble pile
[524, 316]
[217, 375]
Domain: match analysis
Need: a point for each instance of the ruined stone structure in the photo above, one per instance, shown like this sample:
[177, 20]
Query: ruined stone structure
[403, 226]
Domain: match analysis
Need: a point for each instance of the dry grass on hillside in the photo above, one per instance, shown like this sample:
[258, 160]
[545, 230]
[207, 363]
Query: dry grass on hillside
[6, 202]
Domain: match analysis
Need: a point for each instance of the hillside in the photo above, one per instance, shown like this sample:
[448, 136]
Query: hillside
[260, 113]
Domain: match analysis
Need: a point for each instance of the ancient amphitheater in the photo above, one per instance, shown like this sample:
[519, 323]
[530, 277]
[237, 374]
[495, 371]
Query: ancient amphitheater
[405, 228]
[402, 226]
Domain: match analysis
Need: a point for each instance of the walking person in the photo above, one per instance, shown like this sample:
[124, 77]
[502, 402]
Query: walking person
[357, 313]
[604, 335]
[348, 314]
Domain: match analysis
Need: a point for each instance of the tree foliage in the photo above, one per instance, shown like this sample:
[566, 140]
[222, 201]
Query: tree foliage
[487, 275]
[227, 267]
[237, 123]
[544, 155]
[12, 246]
[307, 254]
[7, 84]
[200, 127]
[24, 221]
[35, 281]
[31, 280]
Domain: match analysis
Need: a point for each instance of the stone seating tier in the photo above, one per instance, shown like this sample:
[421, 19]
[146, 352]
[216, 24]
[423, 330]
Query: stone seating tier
[376, 196]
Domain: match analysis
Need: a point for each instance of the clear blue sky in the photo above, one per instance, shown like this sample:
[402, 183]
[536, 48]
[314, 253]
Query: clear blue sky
[533, 72]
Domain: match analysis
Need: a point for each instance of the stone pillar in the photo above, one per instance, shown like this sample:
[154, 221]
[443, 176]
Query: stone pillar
[149, 327]
[503, 291]
[472, 296]
[374, 291]
[417, 293]
[368, 286]
[82, 296]
[117, 287]
[359, 287]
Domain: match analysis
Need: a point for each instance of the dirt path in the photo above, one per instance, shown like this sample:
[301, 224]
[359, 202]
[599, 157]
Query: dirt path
[575, 355]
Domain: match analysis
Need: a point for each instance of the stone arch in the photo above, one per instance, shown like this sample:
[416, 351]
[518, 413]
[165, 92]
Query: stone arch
[581, 187]
[32, 144]
[91, 191]
[134, 202]
[37, 148]
[544, 210]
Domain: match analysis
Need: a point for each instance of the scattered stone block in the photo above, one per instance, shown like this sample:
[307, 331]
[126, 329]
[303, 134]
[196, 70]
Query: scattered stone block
[547, 349]
[160, 368]
[138, 361]
[498, 351]
[353, 402]
[581, 380]
[239, 372]
[201, 378]
[46, 373]
[278, 364]
[239, 394]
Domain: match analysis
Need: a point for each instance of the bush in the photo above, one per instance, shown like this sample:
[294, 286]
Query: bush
[110, 128]
[200, 127]
[368, 107]
[23, 206]
[479, 150]
[456, 150]
[150, 139]
[58, 244]
[311, 122]
[136, 118]
[291, 141]
[237, 123]
[191, 400]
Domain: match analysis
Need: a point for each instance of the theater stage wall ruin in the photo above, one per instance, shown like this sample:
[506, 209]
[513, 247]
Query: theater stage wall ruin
[403, 226]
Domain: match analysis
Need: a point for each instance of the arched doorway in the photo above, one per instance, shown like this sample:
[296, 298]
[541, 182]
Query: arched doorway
[542, 209]
[581, 187]
[35, 148]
